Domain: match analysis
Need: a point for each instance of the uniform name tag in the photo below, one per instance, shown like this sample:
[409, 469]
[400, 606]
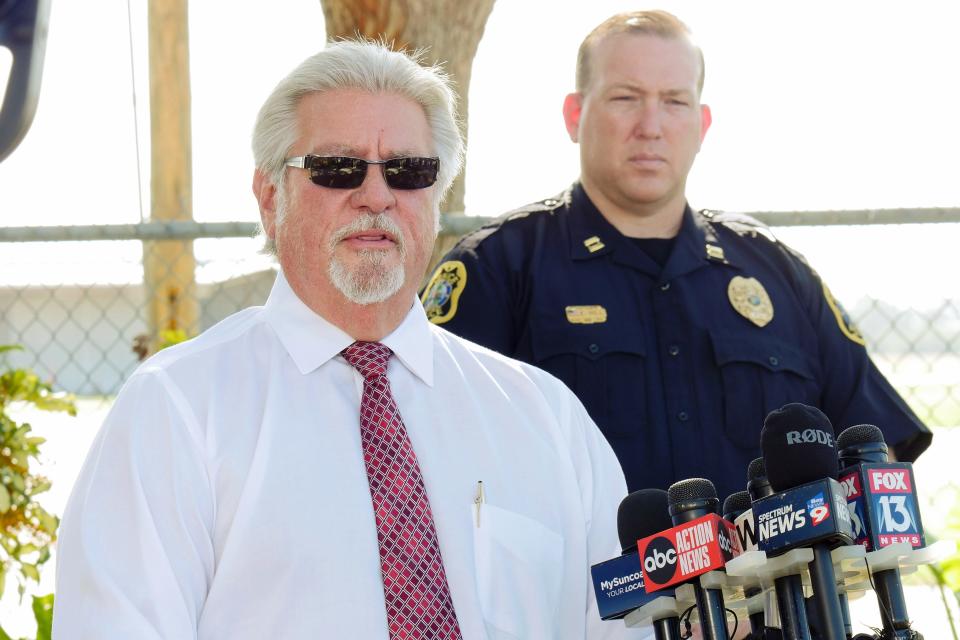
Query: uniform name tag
[586, 314]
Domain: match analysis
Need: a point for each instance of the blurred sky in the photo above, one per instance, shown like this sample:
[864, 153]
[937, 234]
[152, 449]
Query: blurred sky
[817, 105]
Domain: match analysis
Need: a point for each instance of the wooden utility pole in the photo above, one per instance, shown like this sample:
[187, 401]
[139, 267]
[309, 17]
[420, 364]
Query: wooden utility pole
[169, 265]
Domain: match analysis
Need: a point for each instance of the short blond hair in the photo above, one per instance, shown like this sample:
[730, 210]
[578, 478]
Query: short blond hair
[652, 23]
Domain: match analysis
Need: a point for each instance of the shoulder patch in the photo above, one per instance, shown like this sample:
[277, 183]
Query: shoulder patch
[442, 293]
[843, 318]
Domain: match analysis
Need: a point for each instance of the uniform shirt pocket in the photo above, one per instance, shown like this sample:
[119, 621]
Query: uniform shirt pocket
[604, 366]
[760, 373]
[519, 564]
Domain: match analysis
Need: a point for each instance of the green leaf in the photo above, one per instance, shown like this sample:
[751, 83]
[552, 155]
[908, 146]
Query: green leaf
[48, 522]
[43, 612]
[10, 347]
[30, 571]
[4, 499]
[3, 635]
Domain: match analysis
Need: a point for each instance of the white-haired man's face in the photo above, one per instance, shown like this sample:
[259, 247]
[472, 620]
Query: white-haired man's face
[364, 244]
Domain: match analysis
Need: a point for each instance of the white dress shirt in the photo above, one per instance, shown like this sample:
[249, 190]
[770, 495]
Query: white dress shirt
[225, 496]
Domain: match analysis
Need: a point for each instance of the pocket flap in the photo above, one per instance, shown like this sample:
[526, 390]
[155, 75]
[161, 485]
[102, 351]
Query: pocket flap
[763, 350]
[592, 341]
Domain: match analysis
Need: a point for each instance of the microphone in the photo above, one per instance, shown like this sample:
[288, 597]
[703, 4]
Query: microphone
[736, 509]
[791, 610]
[700, 541]
[757, 484]
[810, 508]
[882, 499]
[618, 583]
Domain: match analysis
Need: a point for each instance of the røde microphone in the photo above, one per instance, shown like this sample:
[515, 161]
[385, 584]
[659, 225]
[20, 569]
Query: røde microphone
[883, 502]
[618, 583]
[700, 541]
[736, 509]
[791, 610]
[810, 509]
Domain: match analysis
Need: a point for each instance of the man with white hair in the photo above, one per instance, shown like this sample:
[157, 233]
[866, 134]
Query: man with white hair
[332, 465]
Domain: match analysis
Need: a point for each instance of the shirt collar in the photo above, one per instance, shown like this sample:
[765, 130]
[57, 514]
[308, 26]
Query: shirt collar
[311, 340]
[592, 236]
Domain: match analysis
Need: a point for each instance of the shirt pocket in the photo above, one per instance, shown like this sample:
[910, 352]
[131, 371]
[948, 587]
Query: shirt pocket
[604, 366]
[519, 564]
[760, 373]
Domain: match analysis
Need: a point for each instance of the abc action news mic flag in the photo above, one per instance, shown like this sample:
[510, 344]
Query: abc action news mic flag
[686, 551]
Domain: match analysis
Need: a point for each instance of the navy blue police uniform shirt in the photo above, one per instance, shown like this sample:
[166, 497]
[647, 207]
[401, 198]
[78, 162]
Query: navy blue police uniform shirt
[678, 365]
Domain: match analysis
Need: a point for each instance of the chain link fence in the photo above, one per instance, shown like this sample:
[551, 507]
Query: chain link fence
[88, 303]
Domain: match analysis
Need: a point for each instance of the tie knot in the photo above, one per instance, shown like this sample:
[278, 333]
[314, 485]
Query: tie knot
[369, 358]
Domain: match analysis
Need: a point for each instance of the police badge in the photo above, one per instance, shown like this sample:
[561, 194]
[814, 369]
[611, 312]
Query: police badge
[750, 299]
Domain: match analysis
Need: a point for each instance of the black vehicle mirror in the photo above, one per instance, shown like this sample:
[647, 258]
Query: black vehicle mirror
[23, 32]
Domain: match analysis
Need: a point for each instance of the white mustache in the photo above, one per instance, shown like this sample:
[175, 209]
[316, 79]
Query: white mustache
[370, 222]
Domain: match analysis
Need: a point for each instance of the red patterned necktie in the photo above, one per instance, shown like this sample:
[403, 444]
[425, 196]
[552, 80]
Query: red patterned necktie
[414, 583]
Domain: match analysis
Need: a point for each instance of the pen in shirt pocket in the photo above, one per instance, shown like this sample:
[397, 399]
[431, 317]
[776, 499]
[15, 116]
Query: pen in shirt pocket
[479, 500]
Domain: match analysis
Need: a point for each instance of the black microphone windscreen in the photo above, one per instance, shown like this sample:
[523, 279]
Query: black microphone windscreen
[641, 514]
[859, 434]
[798, 447]
[756, 469]
[861, 443]
[735, 504]
[691, 499]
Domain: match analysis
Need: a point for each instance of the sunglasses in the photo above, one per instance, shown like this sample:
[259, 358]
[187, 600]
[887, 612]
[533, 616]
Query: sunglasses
[341, 172]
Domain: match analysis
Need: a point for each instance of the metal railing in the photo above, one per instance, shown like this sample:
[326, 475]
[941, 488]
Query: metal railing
[76, 296]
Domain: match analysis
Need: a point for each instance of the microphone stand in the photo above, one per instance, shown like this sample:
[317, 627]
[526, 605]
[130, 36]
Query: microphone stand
[667, 628]
[713, 617]
[824, 582]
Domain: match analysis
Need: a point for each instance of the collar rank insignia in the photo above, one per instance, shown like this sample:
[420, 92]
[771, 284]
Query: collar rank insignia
[586, 314]
[441, 295]
[715, 252]
[593, 244]
[750, 299]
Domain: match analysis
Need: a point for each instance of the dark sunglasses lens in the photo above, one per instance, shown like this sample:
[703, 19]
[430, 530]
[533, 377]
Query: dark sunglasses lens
[411, 173]
[337, 172]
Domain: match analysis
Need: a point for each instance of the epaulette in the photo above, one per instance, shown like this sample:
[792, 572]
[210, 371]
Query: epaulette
[744, 225]
[740, 223]
[547, 205]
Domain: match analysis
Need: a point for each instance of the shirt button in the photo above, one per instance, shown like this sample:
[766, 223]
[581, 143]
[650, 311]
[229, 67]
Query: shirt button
[665, 286]
[593, 348]
[682, 416]
[774, 361]
[673, 350]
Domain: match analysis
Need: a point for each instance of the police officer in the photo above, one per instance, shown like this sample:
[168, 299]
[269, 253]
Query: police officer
[678, 330]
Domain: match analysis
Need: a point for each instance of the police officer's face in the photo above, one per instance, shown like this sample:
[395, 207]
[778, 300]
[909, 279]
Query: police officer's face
[321, 226]
[639, 122]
